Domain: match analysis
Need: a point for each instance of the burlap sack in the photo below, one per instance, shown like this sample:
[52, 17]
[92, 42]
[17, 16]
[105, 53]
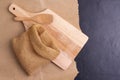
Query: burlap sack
[26, 55]
[9, 66]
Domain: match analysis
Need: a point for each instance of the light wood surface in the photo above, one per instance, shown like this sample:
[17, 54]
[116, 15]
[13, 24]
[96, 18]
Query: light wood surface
[41, 18]
[70, 40]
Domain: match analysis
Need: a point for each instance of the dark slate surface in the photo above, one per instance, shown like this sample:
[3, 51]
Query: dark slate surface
[100, 58]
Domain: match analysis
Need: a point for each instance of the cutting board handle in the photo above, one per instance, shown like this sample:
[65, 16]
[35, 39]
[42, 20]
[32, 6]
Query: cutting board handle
[17, 11]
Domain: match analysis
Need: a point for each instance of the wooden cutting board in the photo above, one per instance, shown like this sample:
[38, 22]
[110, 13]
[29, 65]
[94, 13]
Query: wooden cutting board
[70, 40]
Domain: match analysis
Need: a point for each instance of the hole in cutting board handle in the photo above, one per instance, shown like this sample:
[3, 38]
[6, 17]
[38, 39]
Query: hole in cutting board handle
[13, 8]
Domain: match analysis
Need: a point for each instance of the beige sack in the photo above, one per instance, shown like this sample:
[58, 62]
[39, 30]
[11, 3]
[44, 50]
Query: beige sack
[28, 58]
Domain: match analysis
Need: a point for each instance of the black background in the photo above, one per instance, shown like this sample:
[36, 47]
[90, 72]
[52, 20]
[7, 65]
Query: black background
[100, 57]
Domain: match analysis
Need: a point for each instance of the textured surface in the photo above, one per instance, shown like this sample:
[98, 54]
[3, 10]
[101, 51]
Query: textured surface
[100, 58]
